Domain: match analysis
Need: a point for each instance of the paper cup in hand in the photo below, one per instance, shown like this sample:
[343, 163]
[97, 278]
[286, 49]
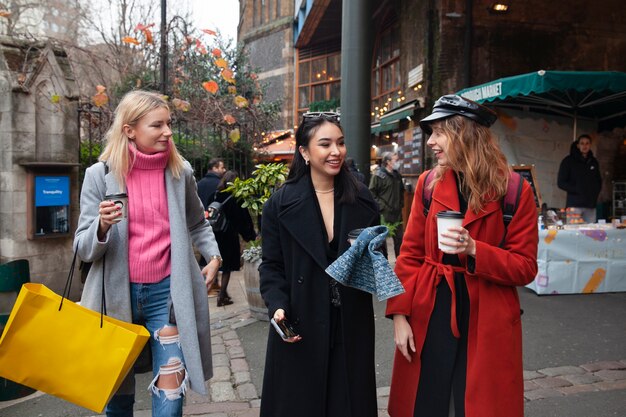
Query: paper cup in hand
[353, 235]
[121, 201]
[445, 220]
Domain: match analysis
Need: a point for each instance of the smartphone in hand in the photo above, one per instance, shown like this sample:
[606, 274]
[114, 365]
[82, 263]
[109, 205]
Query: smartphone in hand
[284, 329]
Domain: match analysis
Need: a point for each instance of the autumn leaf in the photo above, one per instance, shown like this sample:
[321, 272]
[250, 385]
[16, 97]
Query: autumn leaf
[189, 39]
[181, 105]
[210, 86]
[209, 32]
[216, 53]
[130, 40]
[5, 13]
[100, 88]
[148, 34]
[234, 135]
[142, 27]
[221, 62]
[232, 89]
[55, 98]
[228, 75]
[100, 99]
[253, 76]
[240, 102]
[229, 119]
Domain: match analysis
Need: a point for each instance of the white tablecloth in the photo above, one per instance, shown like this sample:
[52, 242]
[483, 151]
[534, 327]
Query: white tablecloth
[584, 260]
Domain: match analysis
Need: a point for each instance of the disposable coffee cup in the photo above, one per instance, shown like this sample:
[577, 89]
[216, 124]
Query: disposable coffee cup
[353, 235]
[445, 220]
[121, 201]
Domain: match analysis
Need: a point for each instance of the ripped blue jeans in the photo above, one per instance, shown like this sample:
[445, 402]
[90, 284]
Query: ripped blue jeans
[151, 307]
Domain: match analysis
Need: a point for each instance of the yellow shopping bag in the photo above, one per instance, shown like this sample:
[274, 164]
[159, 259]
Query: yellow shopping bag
[64, 351]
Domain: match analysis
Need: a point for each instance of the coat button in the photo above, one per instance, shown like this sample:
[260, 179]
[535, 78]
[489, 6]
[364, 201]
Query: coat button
[300, 280]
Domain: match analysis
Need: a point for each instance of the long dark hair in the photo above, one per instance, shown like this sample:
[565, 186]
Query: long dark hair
[346, 186]
[229, 176]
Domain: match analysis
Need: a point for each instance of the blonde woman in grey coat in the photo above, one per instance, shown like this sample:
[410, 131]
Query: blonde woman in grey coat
[151, 276]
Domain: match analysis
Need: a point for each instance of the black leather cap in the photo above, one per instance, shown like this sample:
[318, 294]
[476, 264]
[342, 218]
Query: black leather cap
[452, 105]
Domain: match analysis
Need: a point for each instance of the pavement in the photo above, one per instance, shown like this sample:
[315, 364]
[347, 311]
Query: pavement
[574, 360]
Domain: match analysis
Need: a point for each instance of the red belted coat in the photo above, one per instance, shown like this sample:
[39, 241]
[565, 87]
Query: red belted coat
[495, 385]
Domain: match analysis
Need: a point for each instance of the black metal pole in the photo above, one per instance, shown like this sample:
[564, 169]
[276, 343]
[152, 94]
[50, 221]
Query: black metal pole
[164, 47]
[356, 72]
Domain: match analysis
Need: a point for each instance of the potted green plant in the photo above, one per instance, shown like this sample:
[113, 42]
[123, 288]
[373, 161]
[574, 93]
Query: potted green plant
[253, 192]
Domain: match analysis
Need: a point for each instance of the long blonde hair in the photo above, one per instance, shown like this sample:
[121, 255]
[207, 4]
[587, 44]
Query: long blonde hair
[473, 151]
[133, 106]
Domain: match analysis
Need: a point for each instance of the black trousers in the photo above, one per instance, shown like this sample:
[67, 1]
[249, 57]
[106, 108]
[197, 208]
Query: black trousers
[444, 357]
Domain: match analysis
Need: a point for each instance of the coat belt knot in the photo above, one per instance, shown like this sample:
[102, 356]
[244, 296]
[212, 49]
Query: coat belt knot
[447, 272]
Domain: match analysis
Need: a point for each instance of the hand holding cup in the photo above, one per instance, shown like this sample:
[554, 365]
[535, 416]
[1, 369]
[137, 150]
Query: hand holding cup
[452, 237]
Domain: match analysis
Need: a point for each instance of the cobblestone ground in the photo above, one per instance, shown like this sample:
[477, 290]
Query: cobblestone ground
[233, 394]
[568, 380]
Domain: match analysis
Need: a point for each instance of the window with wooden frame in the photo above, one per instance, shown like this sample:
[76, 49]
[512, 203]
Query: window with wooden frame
[386, 76]
[319, 80]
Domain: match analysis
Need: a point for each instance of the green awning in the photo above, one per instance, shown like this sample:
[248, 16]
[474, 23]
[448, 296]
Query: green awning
[394, 124]
[398, 114]
[377, 128]
[593, 95]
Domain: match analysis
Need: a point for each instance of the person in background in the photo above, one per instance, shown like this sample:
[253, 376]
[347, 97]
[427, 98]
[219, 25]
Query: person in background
[457, 327]
[388, 190]
[328, 368]
[207, 187]
[208, 184]
[354, 170]
[151, 276]
[238, 223]
[579, 175]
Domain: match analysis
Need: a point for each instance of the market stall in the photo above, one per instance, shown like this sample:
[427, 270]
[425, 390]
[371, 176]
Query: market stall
[585, 259]
[580, 258]
[598, 96]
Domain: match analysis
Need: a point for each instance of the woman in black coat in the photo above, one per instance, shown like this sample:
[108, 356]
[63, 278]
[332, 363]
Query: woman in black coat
[328, 369]
[239, 222]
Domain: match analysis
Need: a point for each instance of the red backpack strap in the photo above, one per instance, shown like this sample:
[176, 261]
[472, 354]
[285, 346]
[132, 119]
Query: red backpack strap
[427, 192]
[510, 201]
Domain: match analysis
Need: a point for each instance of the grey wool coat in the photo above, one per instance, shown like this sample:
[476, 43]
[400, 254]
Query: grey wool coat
[188, 289]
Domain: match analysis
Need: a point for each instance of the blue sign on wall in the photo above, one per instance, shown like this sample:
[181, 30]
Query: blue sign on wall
[52, 191]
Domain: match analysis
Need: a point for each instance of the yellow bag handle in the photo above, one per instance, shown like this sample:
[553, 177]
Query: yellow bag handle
[68, 285]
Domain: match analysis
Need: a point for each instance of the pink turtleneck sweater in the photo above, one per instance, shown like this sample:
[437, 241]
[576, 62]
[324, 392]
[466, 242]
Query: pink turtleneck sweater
[148, 218]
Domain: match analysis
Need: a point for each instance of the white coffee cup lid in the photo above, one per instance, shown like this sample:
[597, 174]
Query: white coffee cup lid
[450, 215]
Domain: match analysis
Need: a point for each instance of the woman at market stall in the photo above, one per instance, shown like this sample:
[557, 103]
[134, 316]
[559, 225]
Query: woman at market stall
[457, 327]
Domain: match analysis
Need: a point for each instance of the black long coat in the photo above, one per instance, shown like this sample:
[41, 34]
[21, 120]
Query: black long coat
[293, 278]
[239, 223]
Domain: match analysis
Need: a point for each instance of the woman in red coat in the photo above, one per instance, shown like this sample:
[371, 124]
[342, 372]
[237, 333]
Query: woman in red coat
[457, 327]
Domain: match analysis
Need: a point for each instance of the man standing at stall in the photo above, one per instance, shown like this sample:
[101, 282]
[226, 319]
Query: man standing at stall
[579, 176]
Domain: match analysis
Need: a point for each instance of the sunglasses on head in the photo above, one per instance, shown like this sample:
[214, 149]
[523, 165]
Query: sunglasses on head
[321, 114]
